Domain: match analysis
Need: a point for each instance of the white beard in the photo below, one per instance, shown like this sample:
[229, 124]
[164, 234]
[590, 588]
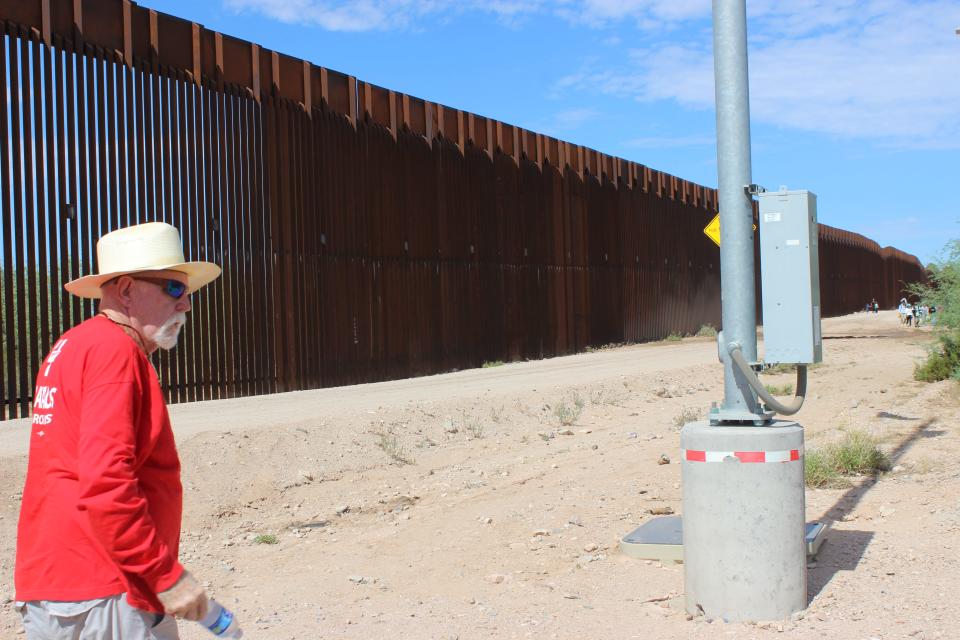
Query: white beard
[166, 336]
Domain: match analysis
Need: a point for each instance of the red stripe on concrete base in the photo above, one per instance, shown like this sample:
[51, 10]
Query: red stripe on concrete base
[788, 455]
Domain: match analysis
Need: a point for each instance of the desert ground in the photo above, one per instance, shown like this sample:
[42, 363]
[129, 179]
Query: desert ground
[458, 505]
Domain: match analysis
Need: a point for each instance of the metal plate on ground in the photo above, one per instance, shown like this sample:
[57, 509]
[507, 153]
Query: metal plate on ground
[662, 539]
[814, 537]
[658, 539]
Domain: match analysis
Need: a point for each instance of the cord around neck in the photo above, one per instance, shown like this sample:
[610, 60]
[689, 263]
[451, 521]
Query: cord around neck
[136, 335]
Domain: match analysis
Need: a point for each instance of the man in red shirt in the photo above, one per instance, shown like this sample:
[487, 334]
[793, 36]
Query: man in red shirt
[99, 529]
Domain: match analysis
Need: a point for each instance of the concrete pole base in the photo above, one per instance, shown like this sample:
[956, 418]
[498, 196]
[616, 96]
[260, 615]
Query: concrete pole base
[744, 520]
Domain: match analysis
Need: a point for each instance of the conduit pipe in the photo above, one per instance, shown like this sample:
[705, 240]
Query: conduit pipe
[751, 377]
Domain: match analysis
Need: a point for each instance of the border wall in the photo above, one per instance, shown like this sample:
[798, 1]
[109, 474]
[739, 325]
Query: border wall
[364, 234]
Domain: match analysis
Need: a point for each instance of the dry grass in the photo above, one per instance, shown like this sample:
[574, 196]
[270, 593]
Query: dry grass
[392, 446]
[857, 454]
[566, 414]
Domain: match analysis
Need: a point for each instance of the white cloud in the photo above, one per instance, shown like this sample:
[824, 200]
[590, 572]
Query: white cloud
[883, 70]
[564, 122]
[887, 71]
[373, 15]
[646, 14]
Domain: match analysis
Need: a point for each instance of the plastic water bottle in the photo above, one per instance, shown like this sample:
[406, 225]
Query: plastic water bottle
[220, 621]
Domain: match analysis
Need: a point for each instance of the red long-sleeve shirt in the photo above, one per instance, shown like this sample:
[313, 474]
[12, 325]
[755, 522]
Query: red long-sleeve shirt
[102, 503]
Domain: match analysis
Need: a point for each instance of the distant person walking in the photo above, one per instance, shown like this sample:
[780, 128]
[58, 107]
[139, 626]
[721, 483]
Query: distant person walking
[99, 529]
[875, 305]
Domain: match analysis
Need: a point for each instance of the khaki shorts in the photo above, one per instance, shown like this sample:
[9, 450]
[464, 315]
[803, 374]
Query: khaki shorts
[110, 618]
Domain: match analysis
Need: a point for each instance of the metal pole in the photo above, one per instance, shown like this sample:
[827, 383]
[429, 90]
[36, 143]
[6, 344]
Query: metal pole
[736, 204]
[743, 495]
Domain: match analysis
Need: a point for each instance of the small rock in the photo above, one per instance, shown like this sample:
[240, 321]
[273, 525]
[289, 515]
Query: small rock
[590, 547]
[571, 596]
[632, 434]
[487, 520]
[660, 511]
[359, 579]
[664, 459]
[565, 432]
[495, 578]
[541, 532]
[342, 510]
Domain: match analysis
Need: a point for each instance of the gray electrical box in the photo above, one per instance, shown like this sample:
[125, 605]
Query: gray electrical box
[790, 277]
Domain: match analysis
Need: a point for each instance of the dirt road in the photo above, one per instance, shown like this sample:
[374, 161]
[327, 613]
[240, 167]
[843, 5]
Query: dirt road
[458, 506]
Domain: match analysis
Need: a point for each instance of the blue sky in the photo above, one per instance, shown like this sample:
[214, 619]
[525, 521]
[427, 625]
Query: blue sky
[858, 102]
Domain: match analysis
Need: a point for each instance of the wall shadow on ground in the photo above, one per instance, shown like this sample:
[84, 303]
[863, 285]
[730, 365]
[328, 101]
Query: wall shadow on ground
[843, 549]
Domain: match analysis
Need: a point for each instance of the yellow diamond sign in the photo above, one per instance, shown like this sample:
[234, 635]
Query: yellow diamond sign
[713, 229]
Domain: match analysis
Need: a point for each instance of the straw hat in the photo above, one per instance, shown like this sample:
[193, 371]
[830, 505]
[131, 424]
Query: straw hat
[152, 246]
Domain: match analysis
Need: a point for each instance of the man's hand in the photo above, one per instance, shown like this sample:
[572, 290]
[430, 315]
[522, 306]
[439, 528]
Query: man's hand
[185, 599]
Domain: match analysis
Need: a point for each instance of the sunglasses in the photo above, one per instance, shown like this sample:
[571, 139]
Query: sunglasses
[173, 288]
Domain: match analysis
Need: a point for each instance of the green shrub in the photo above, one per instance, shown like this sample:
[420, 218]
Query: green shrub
[266, 538]
[856, 454]
[706, 330]
[943, 360]
[942, 290]
[818, 472]
[780, 390]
